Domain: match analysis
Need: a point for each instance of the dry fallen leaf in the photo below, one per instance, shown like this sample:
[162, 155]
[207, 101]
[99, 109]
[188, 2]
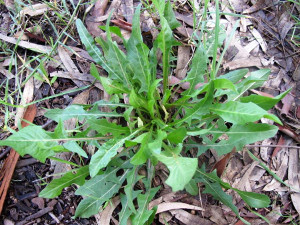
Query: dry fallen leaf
[26, 44]
[26, 98]
[243, 63]
[244, 184]
[260, 39]
[281, 172]
[187, 218]
[293, 176]
[260, 4]
[70, 65]
[182, 61]
[222, 163]
[238, 5]
[104, 217]
[167, 206]
[281, 141]
[35, 10]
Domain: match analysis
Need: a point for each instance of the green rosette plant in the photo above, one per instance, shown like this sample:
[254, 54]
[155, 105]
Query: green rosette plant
[150, 122]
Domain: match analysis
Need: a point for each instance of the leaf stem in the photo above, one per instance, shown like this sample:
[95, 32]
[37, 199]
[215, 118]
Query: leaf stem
[165, 70]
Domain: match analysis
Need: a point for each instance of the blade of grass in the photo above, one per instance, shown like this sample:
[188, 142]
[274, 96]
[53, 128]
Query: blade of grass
[215, 50]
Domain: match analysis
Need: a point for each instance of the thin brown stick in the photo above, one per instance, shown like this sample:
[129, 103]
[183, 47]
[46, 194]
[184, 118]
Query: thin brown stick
[36, 215]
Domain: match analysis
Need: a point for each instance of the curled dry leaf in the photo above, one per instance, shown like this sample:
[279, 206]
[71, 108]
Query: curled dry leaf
[222, 163]
[288, 131]
[122, 24]
[277, 149]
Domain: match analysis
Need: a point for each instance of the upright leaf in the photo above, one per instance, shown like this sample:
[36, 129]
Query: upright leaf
[137, 54]
[117, 60]
[200, 108]
[142, 215]
[126, 211]
[198, 69]
[91, 47]
[170, 16]
[144, 152]
[165, 41]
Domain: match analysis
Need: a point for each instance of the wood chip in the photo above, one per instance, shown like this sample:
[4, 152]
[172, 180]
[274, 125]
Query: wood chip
[40, 202]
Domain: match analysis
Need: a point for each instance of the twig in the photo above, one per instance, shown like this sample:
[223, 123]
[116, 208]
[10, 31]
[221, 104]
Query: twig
[54, 217]
[4, 153]
[36, 215]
